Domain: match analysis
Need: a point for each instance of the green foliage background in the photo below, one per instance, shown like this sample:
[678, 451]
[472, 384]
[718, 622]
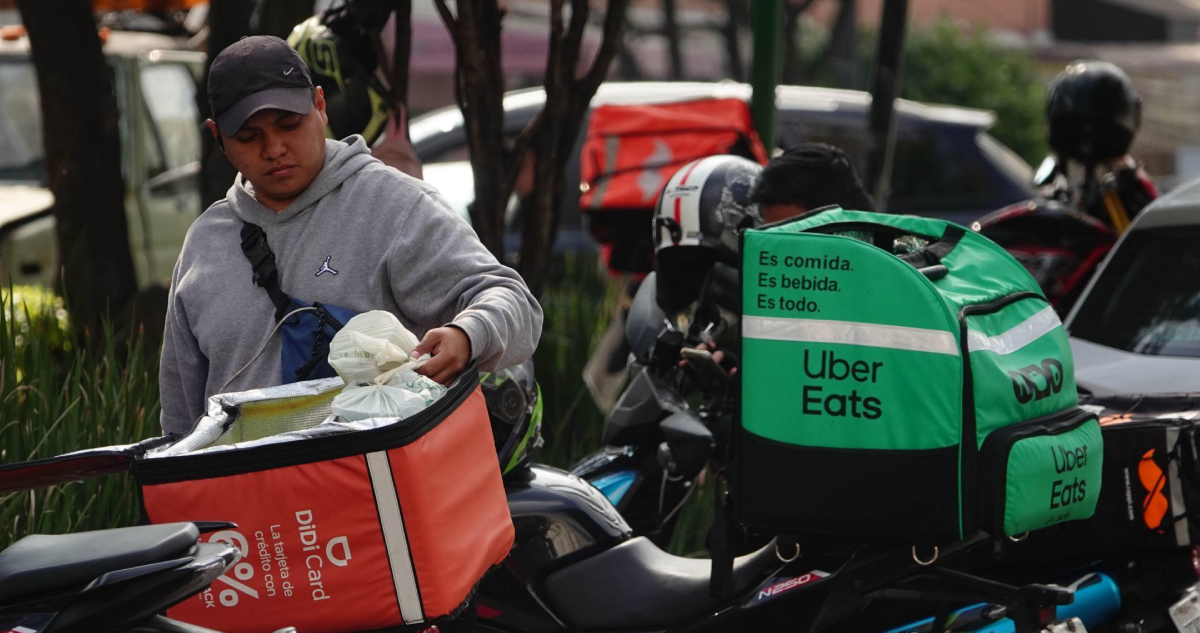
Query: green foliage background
[945, 64]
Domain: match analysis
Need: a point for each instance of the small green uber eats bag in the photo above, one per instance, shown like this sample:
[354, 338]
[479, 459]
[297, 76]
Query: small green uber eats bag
[918, 396]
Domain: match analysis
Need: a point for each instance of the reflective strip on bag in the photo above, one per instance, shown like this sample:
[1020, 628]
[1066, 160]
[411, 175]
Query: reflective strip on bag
[1028, 331]
[843, 332]
[394, 538]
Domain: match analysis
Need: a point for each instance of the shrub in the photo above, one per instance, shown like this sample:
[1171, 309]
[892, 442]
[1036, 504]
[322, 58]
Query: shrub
[57, 397]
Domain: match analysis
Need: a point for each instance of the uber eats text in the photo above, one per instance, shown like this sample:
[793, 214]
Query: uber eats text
[831, 398]
[1067, 459]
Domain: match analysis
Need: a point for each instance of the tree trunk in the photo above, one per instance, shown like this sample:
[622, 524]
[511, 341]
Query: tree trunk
[83, 158]
[844, 44]
[733, 48]
[791, 43]
[228, 20]
[401, 54]
[627, 64]
[670, 30]
[480, 92]
[842, 48]
[567, 100]
[279, 17]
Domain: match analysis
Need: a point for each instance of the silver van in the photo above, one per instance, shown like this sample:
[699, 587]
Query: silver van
[160, 152]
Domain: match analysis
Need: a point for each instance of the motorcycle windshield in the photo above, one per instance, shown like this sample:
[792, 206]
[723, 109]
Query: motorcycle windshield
[77, 466]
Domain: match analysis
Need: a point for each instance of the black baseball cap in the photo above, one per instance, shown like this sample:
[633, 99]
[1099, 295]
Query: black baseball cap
[256, 73]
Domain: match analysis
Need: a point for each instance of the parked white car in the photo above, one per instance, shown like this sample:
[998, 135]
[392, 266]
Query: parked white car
[1136, 329]
[160, 151]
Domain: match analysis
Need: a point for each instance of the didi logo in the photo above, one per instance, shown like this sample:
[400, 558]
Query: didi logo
[1155, 507]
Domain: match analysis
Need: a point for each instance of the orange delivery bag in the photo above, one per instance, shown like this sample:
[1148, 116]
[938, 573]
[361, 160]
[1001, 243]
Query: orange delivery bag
[342, 526]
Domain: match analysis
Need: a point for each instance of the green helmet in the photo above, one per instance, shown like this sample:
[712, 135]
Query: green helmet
[340, 55]
[514, 403]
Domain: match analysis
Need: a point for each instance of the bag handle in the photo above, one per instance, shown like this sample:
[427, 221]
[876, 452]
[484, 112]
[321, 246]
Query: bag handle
[926, 257]
[266, 274]
[933, 253]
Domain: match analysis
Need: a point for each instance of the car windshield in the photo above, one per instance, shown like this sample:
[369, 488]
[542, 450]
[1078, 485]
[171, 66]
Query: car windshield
[20, 123]
[1147, 300]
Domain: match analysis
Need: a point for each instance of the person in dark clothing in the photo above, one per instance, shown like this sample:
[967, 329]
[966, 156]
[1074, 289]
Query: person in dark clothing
[1093, 113]
[807, 177]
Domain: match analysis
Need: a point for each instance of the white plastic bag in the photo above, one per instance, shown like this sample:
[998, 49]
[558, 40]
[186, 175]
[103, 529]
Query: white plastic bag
[376, 401]
[370, 344]
[398, 393]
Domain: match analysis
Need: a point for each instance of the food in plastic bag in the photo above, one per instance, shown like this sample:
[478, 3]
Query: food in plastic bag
[398, 393]
[370, 344]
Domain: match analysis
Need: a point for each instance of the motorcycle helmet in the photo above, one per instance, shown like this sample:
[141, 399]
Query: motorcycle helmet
[340, 50]
[1093, 112]
[697, 221]
[514, 405]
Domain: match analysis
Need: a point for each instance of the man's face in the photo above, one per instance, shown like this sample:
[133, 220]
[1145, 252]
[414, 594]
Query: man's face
[778, 212]
[279, 152]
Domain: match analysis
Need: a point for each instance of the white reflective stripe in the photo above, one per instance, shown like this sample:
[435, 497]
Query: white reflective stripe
[394, 538]
[871, 335]
[1028, 331]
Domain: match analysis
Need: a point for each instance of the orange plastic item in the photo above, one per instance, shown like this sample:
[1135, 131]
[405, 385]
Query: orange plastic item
[1155, 507]
[392, 536]
[12, 32]
[631, 151]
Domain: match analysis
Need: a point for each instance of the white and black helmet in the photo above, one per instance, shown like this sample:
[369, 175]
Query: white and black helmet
[697, 221]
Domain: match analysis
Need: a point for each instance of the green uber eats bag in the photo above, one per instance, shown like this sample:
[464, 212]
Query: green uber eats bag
[889, 399]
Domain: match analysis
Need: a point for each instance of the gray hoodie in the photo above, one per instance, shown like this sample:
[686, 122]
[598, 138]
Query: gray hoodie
[395, 245]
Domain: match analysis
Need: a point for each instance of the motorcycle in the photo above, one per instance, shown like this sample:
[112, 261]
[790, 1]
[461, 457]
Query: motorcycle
[657, 446]
[1059, 243]
[116, 580]
[576, 566]
[589, 544]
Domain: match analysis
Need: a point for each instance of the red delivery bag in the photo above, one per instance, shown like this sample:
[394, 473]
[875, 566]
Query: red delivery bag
[629, 153]
[342, 526]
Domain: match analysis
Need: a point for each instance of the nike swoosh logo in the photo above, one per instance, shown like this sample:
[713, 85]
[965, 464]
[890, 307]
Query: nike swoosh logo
[289, 71]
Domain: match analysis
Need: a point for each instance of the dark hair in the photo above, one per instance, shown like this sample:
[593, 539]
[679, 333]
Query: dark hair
[812, 175]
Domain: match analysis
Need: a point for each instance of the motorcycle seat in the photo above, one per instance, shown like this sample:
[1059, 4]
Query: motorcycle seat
[637, 585]
[41, 564]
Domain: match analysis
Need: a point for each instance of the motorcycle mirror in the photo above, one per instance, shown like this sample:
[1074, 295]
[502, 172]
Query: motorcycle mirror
[641, 406]
[1046, 172]
[688, 447]
[645, 319]
[685, 427]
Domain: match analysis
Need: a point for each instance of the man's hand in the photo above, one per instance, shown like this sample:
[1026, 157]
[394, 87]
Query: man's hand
[450, 350]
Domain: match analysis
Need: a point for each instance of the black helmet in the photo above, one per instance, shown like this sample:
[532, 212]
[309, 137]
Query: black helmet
[697, 220]
[515, 406]
[339, 47]
[1093, 112]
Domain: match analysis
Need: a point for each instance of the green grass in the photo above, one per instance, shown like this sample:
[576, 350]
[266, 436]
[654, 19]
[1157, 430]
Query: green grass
[57, 397]
[578, 304]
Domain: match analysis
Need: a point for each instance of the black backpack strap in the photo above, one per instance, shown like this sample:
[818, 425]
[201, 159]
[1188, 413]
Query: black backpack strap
[950, 239]
[262, 261]
[721, 548]
[933, 253]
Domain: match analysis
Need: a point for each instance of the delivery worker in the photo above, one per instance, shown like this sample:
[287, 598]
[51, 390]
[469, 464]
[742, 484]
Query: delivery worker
[806, 177]
[320, 229]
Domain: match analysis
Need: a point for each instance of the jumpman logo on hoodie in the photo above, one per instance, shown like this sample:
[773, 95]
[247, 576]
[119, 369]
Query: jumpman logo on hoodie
[325, 267]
